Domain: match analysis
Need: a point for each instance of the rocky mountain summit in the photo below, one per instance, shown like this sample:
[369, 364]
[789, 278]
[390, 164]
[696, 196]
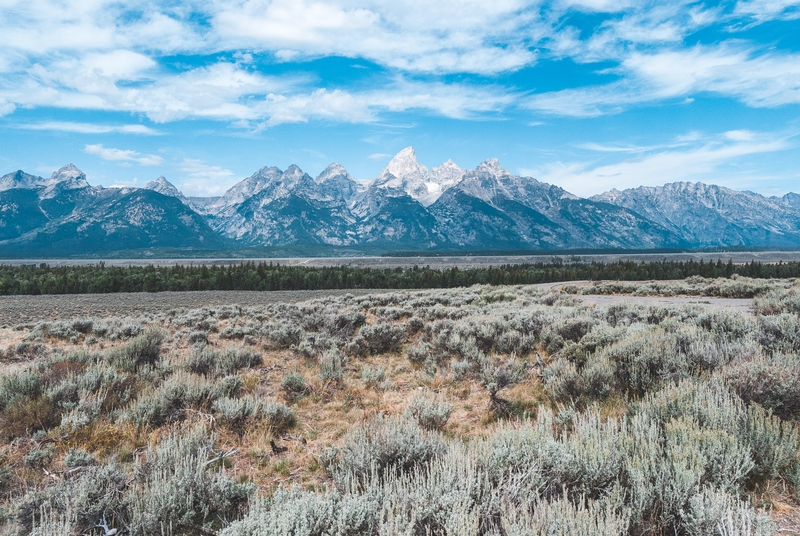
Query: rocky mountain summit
[406, 207]
[710, 215]
[64, 215]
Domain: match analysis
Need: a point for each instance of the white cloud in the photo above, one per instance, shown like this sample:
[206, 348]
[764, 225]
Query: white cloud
[765, 80]
[609, 6]
[123, 155]
[404, 34]
[762, 10]
[6, 107]
[197, 169]
[202, 179]
[379, 156]
[120, 56]
[485, 37]
[89, 128]
[740, 135]
[681, 161]
[218, 91]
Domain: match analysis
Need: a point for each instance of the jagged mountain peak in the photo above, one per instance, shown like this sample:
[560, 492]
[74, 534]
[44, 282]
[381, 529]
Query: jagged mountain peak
[404, 170]
[447, 174]
[334, 169]
[248, 187]
[293, 171]
[405, 173]
[792, 199]
[405, 163]
[164, 187]
[712, 215]
[492, 167]
[336, 183]
[20, 179]
[68, 177]
[68, 173]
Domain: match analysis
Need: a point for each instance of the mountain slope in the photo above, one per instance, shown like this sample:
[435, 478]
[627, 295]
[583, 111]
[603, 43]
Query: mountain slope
[408, 207]
[65, 216]
[544, 216]
[709, 215]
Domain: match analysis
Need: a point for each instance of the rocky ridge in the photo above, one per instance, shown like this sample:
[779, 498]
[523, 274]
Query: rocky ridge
[408, 206]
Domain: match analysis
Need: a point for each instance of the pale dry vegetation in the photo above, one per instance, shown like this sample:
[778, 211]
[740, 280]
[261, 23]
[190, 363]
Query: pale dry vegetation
[734, 287]
[496, 411]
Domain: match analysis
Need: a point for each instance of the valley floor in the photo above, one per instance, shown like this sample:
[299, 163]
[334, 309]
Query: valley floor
[500, 411]
[463, 262]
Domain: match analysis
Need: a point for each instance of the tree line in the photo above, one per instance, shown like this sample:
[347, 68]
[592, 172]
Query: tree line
[99, 278]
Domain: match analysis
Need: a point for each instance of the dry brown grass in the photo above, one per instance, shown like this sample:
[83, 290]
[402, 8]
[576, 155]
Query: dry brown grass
[325, 414]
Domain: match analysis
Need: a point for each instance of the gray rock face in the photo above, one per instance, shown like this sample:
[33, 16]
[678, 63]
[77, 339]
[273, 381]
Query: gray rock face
[792, 199]
[164, 187]
[20, 179]
[423, 185]
[526, 213]
[336, 183]
[64, 215]
[709, 215]
[408, 206]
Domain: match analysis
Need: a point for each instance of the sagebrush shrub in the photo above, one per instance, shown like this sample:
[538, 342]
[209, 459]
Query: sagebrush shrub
[715, 512]
[772, 382]
[176, 487]
[497, 376]
[278, 416]
[429, 412]
[418, 352]
[294, 386]
[141, 351]
[78, 458]
[238, 413]
[373, 376]
[780, 333]
[382, 444]
[381, 338]
[331, 366]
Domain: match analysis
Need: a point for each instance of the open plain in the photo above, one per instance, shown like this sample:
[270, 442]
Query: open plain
[498, 411]
[444, 261]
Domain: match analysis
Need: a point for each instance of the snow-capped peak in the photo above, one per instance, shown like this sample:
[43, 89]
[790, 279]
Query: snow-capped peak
[492, 167]
[293, 172]
[406, 173]
[335, 182]
[249, 187]
[333, 170]
[404, 164]
[447, 174]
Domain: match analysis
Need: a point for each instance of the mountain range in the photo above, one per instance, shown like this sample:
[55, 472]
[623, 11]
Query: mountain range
[407, 207]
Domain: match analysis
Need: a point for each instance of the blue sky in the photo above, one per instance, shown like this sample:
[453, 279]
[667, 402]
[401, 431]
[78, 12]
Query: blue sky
[587, 94]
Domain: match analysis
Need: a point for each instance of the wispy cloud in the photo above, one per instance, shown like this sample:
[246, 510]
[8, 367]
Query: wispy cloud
[123, 155]
[681, 161]
[89, 128]
[758, 80]
[762, 10]
[204, 179]
[379, 156]
[111, 56]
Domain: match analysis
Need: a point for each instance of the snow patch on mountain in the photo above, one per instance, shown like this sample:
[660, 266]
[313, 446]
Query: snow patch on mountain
[405, 173]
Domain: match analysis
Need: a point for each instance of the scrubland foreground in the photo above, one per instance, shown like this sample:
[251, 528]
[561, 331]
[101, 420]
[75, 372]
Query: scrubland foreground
[498, 411]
